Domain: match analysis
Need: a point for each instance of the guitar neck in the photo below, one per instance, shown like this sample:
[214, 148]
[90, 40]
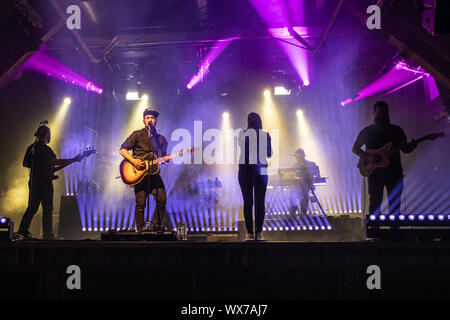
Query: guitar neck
[427, 137]
[161, 159]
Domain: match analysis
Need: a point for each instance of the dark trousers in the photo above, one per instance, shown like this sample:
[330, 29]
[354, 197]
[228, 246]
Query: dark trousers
[155, 185]
[393, 181]
[253, 185]
[39, 192]
[302, 193]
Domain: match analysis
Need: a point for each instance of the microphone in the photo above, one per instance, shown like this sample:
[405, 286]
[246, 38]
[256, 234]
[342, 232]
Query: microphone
[43, 122]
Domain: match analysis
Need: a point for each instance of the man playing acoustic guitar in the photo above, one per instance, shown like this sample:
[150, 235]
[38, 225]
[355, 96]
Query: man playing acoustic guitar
[376, 136]
[142, 142]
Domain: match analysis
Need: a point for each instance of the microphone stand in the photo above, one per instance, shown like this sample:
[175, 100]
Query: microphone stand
[153, 134]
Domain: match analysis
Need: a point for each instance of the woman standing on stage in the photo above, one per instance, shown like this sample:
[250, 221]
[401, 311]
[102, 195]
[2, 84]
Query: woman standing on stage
[255, 147]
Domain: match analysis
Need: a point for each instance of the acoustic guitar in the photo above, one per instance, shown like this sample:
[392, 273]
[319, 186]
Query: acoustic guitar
[131, 175]
[379, 158]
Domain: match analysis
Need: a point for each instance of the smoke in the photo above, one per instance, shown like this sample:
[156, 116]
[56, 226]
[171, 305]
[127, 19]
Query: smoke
[15, 198]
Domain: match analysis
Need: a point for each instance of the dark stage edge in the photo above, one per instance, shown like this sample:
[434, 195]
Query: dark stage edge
[224, 270]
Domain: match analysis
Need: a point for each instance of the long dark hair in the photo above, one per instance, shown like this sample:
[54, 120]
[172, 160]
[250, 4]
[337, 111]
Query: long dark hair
[254, 121]
[41, 132]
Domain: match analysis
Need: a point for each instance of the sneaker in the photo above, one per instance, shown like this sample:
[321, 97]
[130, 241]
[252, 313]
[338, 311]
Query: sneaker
[249, 237]
[22, 237]
[260, 237]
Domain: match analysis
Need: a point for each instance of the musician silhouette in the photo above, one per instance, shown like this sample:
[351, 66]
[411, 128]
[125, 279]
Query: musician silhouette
[306, 171]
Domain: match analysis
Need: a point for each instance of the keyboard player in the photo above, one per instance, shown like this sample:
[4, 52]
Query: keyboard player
[306, 172]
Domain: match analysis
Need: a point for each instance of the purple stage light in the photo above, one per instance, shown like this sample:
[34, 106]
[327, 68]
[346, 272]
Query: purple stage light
[43, 63]
[421, 217]
[3, 220]
[372, 217]
[298, 57]
[392, 217]
[274, 12]
[401, 217]
[382, 217]
[431, 217]
[396, 78]
[329, 227]
[411, 217]
[213, 53]
[440, 217]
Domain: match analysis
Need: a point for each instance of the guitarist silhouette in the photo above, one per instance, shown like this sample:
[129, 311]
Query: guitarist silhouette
[392, 139]
[42, 161]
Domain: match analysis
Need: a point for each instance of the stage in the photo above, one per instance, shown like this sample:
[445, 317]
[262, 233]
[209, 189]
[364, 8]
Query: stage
[224, 270]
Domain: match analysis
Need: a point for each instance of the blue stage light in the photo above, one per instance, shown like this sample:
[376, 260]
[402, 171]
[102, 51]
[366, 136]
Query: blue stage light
[431, 217]
[372, 217]
[411, 217]
[421, 217]
[440, 217]
[401, 217]
[392, 217]
[382, 217]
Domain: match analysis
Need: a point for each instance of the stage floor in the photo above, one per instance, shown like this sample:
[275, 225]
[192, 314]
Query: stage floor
[224, 270]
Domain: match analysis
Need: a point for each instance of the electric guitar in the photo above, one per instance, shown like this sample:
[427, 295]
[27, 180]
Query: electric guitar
[83, 155]
[379, 158]
[131, 175]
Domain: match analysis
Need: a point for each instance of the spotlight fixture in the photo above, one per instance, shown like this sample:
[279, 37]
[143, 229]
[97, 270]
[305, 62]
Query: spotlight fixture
[132, 95]
[67, 100]
[299, 113]
[226, 115]
[281, 91]
[267, 93]
[6, 228]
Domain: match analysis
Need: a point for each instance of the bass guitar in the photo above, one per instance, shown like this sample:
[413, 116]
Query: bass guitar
[131, 175]
[80, 157]
[379, 158]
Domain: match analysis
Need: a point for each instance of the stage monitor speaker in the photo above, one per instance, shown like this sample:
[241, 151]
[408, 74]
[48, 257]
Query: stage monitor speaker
[70, 219]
